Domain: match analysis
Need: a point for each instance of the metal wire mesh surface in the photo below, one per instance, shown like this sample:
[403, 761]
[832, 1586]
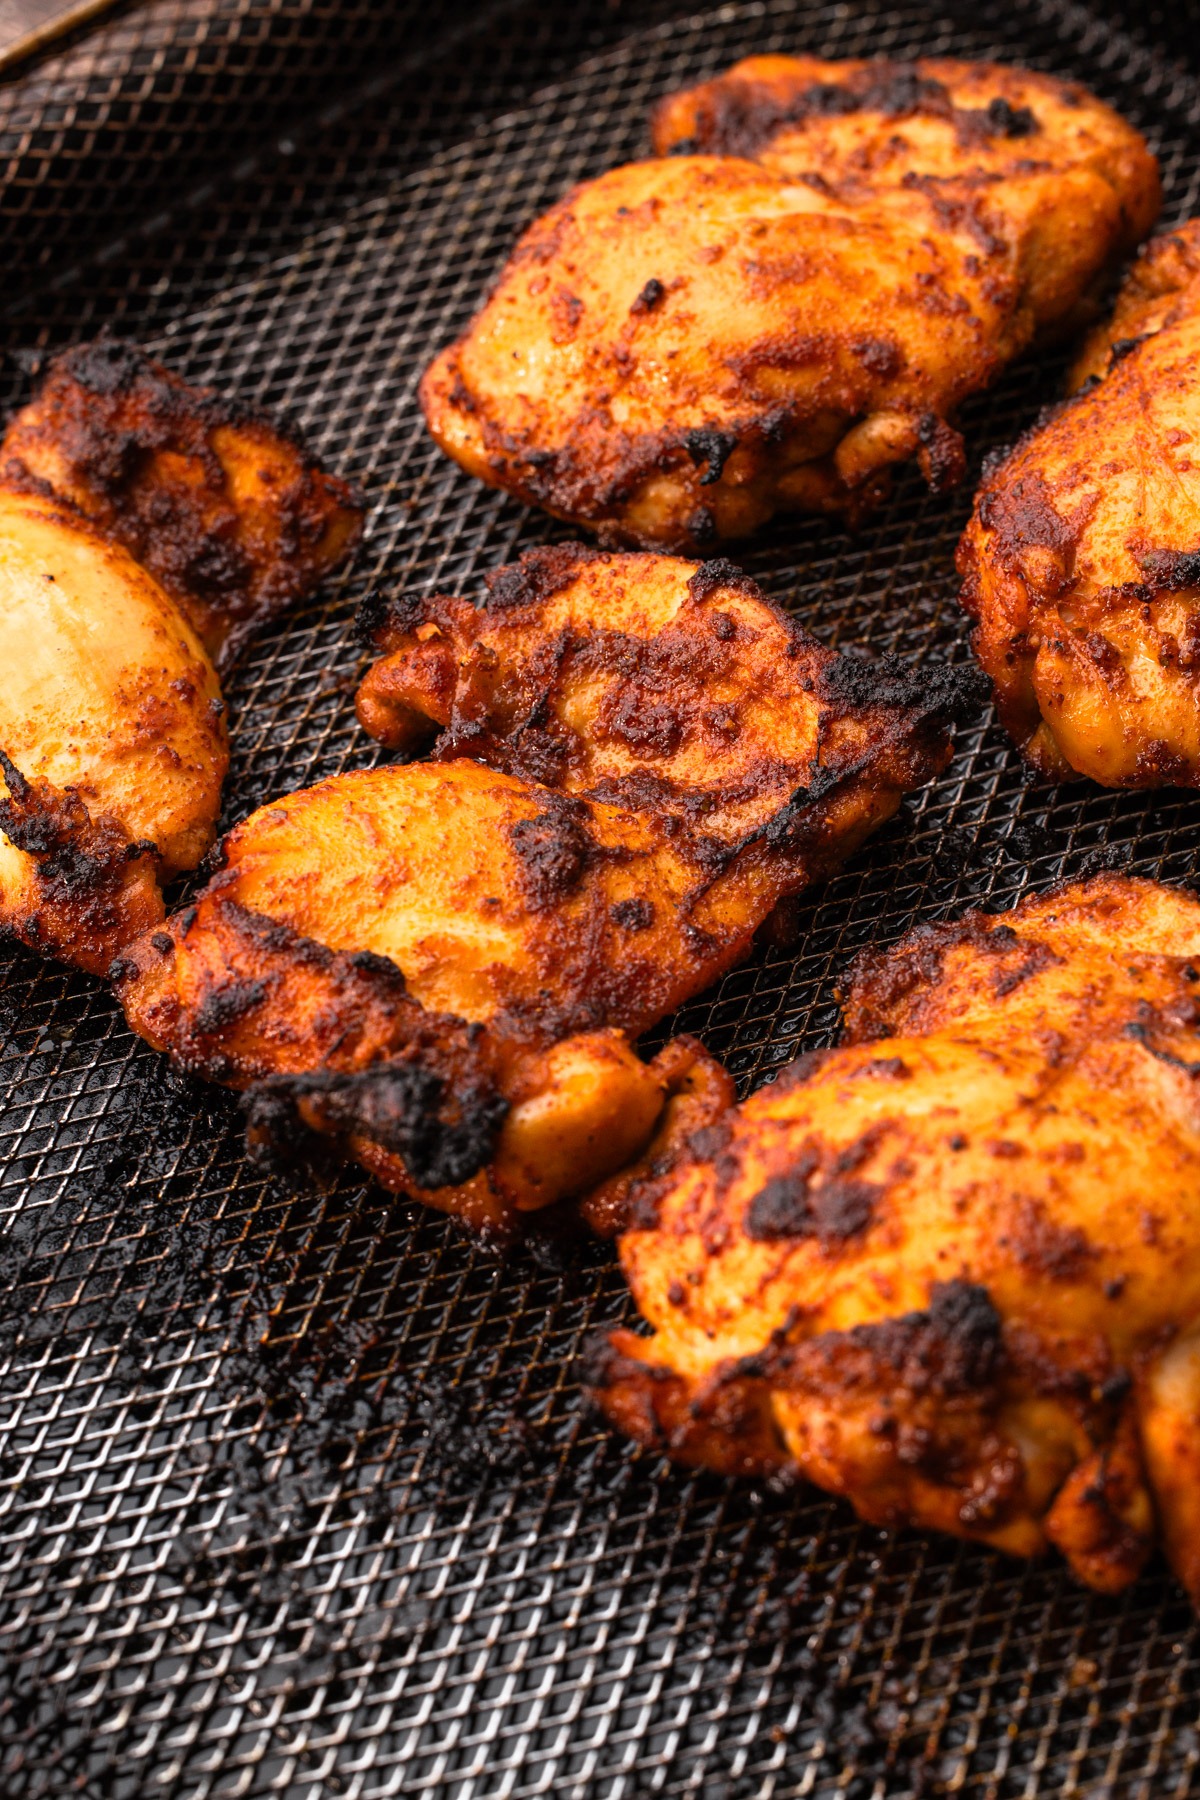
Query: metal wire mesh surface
[297, 1491]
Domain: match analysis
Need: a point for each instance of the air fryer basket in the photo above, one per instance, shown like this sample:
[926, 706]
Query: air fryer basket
[298, 1494]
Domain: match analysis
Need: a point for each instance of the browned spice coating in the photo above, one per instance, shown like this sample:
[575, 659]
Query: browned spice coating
[1081, 563]
[634, 759]
[226, 511]
[948, 1269]
[822, 261]
[673, 689]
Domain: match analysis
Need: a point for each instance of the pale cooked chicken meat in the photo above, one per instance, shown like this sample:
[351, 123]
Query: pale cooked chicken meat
[835, 255]
[136, 521]
[949, 1269]
[662, 757]
[1081, 562]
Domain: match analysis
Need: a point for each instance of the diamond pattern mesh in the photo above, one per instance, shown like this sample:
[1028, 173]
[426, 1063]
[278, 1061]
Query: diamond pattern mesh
[297, 1492]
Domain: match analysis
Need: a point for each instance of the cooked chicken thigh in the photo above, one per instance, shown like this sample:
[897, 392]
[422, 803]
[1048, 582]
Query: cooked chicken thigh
[663, 758]
[393, 943]
[121, 581]
[832, 258]
[112, 735]
[1082, 559]
[949, 1269]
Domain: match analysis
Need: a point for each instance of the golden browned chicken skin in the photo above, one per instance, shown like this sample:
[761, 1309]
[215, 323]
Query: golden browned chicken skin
[949, 1270]
[144, 527]
[1081, 562]
[825, 259]
[662, 757]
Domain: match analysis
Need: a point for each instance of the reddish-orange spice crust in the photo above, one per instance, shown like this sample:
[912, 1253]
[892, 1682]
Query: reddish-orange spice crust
[824, 261]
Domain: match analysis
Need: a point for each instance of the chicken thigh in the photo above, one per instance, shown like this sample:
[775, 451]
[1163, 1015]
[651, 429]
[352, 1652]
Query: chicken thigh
[823, 261]
[224, 508]
[949, 1270]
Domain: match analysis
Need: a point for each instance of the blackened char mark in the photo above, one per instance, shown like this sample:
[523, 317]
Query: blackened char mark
[802, 817]
[1140, 1033]
[886, 1068]
[701, 526]
[536, 577]
[932, 689]
[993, 461]
[381, 616]
[442, 1137]
[954, 1346]
[77, 856]
[652, 727]
[1170, 571]
[632, 915]
[898, 88]
[788, 1207]
[384, 976]
[922, 702]
[879, 355]
[739, 117]
[1011, 121]
[711, 450]
[224, 1006]
[650, 296]
[999, 118]
[942, 455]
[717, 575]
[107, 367]
[736, 118]
[1120, 348]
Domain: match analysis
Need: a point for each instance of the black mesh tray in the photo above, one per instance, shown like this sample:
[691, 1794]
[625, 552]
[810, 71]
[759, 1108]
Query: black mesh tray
[297, 1492]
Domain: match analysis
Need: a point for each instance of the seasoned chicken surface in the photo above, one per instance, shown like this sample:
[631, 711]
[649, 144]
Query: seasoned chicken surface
[363, 933]
[662, 757]
[949, 1270]
[1081, 563]
[112, 734]
[225, 509]
[823, 261]
[112, 739]
[673, 688]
